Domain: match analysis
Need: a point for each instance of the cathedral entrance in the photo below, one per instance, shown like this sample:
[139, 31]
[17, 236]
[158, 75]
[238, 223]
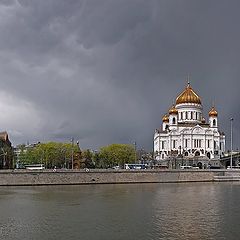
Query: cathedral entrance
[199, 164]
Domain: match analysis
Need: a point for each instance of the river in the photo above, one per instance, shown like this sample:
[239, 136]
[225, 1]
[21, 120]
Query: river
[131, 211]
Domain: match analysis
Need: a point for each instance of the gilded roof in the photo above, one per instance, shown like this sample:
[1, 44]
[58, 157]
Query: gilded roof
[165, 118]
[213, 112]
[188, 96]
[173, 110]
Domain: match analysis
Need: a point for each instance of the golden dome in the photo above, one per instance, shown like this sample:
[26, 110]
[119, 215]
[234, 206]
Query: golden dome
[173, 110]
[188, 96]
[213, 112]
[165, 118]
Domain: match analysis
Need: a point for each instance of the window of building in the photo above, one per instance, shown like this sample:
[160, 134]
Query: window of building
[214, 122]
[215, 145]
[186, 143]
[208, 143]
[186, 117]
[163, 144]
[174, 120]
[181, 115]
[174, 143]
[197, 143]
[191, 115]
[197, 153]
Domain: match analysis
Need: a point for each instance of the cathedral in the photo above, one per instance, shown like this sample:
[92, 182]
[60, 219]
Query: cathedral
[186, 137]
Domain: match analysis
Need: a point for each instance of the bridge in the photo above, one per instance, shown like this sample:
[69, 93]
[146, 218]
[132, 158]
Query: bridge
[225, 161]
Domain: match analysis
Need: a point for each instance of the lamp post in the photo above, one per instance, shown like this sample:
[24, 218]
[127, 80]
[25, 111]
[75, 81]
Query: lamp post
[135, 148]
[231, 121]
[63, 152]
[72, 141]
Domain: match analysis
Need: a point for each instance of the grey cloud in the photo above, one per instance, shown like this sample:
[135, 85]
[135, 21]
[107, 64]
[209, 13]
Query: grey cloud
[106, 71]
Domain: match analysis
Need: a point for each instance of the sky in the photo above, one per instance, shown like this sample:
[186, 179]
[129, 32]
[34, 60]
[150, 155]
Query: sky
[105, 71]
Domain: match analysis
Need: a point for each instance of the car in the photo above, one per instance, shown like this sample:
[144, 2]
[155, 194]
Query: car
[186, 167]
[233, 167]
[116, 167]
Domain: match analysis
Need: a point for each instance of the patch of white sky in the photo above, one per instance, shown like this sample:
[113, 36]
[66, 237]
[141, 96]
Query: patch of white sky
[19, 117]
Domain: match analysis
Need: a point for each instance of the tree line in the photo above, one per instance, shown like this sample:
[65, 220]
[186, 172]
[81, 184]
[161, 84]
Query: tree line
[55, 154]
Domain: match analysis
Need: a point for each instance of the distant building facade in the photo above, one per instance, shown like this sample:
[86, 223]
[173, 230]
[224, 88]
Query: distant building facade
[186, 137]
[6, 151]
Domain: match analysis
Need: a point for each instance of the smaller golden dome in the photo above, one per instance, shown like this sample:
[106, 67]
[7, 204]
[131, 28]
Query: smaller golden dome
[173, 110]
[165, 118]
[213, 112]
[203, 120]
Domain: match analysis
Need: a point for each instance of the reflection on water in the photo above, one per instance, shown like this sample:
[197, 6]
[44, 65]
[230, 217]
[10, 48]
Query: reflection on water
[131, 211]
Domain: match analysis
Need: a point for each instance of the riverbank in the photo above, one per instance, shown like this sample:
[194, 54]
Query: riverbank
[97, 176]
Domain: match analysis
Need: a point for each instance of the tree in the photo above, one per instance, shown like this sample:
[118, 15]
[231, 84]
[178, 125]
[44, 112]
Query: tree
[88, 158]
[116, 154]
[50, 154]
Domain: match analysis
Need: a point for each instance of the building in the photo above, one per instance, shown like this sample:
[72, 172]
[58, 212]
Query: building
[6, 151]
[185, 138]
[20, 150]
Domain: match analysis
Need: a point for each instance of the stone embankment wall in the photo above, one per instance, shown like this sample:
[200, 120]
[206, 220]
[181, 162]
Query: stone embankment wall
[61, 177]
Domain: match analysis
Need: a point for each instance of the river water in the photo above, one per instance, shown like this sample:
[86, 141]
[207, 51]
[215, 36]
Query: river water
[130, 211]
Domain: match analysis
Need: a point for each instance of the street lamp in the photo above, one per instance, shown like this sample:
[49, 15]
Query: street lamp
[63, 152]
[72, 141]
[231, 121]
[135, 148]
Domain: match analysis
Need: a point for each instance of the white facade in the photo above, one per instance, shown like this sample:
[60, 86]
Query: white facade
[184, 131]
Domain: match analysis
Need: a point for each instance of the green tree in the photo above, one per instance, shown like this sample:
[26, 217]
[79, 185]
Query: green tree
[116, 154]
[88, 158]
[50, 154]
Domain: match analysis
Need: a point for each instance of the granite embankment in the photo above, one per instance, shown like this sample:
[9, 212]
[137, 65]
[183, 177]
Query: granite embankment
[68, 177]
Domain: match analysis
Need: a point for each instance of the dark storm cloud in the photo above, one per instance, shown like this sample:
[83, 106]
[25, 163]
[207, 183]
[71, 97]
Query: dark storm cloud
[106, 71]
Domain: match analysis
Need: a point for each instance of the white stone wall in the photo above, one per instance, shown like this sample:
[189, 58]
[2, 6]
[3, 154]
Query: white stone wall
[189, 112]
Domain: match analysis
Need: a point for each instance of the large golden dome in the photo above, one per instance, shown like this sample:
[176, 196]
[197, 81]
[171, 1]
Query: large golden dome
[213, 112]
[188, 96]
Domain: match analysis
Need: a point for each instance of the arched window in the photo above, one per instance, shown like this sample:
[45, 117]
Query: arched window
[191, 115]
[197, 153]
[215, 145]
[181, 116]
[186, 117]
[174, 120]
[214, 122]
